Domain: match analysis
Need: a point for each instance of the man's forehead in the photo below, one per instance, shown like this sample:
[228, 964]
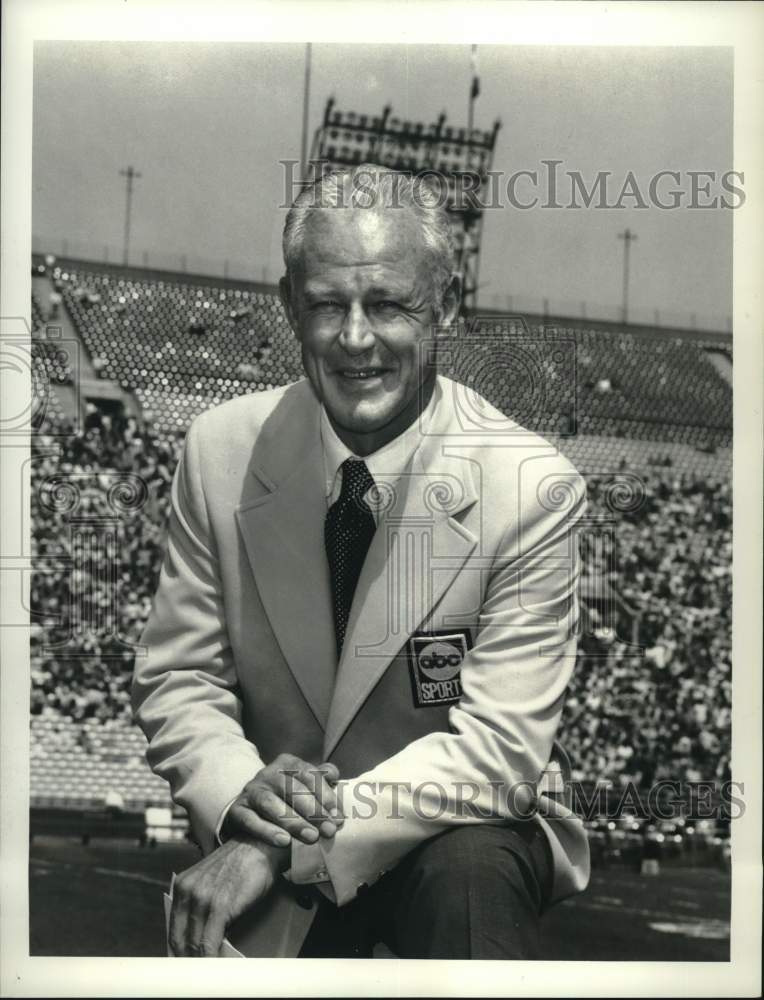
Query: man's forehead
[367, 277]
[361, 235]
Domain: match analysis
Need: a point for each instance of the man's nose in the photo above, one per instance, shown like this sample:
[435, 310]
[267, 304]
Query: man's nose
[356, 335]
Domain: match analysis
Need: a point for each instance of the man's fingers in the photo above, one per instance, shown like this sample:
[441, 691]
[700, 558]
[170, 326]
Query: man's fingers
[309, 791]
[271, 807]
[214, 932]
[330, 771]
[180, 918]
[246, 821]
[318, 781]
[205, 927]
[177, 931]
[197, 921]
[327, 777]
[296, 796]
[307, 805]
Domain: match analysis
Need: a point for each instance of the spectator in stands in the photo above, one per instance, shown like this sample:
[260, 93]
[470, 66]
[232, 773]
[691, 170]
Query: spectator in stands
[54, 304]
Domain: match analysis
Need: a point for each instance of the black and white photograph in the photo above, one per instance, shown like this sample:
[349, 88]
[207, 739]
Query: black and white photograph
[382, 474]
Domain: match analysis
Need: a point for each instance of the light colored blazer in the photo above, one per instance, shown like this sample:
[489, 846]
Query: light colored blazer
[475, 557]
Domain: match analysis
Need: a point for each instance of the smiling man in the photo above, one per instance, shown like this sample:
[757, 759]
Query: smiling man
[364, 626]
[365, 285]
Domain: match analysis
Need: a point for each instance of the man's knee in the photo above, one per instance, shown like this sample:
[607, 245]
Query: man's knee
[458, 857]
[474, 858]
[471, 892]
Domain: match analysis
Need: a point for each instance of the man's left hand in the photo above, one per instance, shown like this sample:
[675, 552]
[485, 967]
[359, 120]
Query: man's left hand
[209, 896]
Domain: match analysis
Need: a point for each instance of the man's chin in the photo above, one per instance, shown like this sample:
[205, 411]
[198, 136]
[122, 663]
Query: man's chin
[362, 419]
[364, 416]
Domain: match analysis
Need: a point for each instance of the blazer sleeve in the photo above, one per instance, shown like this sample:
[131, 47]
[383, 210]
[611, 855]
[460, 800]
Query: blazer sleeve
[184, 689]
[486, 768]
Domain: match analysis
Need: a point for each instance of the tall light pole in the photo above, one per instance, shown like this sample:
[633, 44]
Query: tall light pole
[474, 91]
[130, 174]
[628, 237]
[305, 110]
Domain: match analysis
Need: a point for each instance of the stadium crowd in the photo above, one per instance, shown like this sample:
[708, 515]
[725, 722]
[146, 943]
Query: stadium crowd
[664, 713]
[654, 702]
[92, 617]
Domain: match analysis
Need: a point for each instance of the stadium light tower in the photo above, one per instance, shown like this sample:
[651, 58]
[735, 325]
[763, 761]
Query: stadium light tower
[459, 157]
[130, 175]
[628, 237]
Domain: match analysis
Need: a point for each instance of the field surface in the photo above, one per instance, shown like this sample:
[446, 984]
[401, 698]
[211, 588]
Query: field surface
[106, 900]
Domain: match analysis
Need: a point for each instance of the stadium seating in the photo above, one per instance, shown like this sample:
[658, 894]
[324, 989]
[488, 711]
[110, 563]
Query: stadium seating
[182, 347]
[78, 765]
[50, 357]
[178, 346]
[600, 453]
[38, 320]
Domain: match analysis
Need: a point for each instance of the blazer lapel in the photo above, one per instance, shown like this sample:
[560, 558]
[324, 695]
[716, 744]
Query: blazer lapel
[283, 532]
[418, 549]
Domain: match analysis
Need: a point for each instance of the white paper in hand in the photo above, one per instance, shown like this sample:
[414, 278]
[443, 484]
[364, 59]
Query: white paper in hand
[227, 950]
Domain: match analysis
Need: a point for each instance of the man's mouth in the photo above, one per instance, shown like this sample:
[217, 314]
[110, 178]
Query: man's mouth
[361, 374]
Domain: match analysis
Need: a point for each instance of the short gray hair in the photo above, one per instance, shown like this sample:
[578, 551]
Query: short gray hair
[370, 185]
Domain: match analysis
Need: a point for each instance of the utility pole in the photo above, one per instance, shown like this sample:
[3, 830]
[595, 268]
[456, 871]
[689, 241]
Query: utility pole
[305, 110]
[130, 174]
[474, 92]
[628, 237]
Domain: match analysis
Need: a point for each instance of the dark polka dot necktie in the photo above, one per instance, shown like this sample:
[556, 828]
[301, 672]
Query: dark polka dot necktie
[348, 531]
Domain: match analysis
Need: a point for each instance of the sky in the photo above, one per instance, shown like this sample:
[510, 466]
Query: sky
[208, 124]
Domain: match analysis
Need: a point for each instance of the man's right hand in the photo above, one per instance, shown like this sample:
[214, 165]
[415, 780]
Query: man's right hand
[287, 798]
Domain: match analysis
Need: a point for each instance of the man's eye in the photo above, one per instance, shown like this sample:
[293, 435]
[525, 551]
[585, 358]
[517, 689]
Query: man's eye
[326, 305]
[387, 305]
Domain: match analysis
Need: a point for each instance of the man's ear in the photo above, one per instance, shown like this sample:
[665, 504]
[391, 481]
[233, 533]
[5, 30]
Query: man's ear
[285, 294]
[452, 298]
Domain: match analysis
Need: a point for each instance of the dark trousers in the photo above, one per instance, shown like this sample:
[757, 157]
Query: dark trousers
[472, 892]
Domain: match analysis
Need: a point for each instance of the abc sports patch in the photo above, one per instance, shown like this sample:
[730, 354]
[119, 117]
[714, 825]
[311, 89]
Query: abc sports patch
[435, 661]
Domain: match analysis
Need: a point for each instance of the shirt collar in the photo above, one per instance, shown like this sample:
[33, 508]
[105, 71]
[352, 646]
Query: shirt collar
[388, 462]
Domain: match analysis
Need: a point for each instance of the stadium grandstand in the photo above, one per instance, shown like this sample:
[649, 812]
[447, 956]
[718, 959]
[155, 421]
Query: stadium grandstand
[126, 358]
